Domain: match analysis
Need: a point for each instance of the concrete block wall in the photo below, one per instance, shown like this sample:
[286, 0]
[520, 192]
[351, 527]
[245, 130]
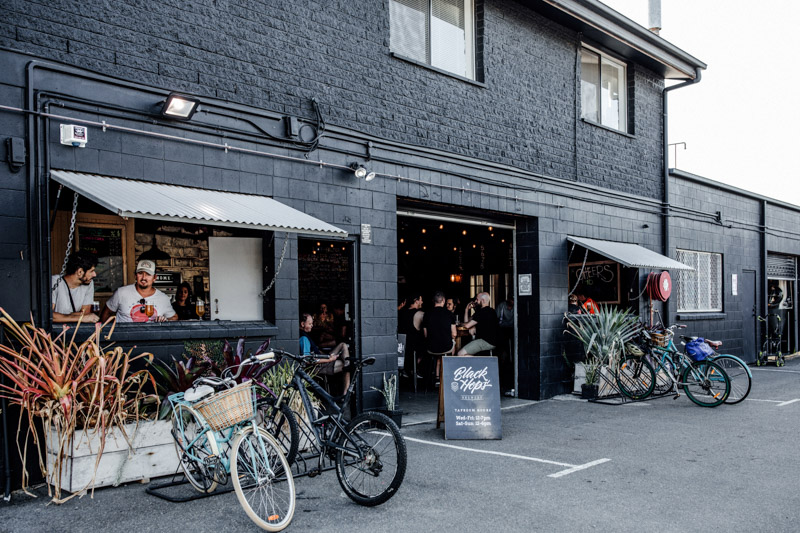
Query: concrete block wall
[277, 56]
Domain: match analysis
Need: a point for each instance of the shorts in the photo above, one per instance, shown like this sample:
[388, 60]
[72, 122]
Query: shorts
[478, 345]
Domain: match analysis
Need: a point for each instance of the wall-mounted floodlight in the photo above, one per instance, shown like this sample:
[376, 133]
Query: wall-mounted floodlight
[361, 172]
[180, 107]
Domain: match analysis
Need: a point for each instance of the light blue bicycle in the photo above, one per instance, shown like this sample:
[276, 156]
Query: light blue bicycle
[216, 435]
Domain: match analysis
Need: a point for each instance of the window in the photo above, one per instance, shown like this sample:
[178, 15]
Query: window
[699, 289]
[439, 33]
[603, 90]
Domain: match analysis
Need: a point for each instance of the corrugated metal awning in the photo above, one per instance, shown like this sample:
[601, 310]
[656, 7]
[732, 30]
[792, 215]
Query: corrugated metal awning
[158, 201]
[629, 255]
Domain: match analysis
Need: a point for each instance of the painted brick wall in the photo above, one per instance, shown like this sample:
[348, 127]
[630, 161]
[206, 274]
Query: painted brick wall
[278, 55]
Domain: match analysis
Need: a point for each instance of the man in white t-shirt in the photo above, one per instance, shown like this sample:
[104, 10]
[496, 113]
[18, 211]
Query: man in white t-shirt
[72, 295]
[131, 303]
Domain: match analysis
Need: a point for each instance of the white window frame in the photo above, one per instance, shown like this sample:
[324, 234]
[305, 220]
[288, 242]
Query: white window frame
[700, 282]
[622, 115]
[469, 41]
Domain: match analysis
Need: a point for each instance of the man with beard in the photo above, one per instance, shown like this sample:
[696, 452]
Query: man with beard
[73, 294]
[140, 302]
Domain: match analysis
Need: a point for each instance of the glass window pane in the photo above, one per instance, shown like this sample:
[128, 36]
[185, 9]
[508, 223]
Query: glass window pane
[612, 94]
[409, 28]
[449, 36]
[590, 82]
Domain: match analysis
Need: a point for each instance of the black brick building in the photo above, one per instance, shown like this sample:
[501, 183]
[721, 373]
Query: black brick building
[293, 93]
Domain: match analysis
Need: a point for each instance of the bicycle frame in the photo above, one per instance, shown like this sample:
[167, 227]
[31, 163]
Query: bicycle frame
[667, 356]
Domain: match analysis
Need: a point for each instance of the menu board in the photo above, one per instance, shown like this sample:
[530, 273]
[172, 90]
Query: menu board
[471, 398]
[107, 244]
[599, 280]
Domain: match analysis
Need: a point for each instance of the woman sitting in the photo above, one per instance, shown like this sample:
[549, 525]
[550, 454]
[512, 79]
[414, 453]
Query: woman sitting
[183, 302]
[338, 359]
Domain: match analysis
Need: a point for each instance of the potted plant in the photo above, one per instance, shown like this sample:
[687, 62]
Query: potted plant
[389, 393]
[87, 400]
[603, 336]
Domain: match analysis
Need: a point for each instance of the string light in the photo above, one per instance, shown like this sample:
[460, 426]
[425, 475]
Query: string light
[402, 240]
[464, 232]
[441, 226]
[424, 230]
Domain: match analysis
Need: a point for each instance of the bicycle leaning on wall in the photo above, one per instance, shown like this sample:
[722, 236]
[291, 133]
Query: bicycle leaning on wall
[217, 415]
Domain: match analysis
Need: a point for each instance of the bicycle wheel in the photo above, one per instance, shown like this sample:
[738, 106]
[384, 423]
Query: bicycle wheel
[371, 460]
[636, 378]
[739, 376]
[281, 424]
[706, 383]
[262, 479]
[197, 450]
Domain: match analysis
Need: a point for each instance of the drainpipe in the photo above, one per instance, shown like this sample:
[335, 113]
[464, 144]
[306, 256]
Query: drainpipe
[666, 205]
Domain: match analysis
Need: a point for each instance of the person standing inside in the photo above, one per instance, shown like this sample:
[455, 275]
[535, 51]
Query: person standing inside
[505, 336]
[140, 301]
[406, 325]
[439, 328]
[485, 323]
[73, 294]
[183, 302]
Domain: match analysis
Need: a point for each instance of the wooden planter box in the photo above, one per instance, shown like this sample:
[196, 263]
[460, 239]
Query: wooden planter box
[607, 385]
[153, 455]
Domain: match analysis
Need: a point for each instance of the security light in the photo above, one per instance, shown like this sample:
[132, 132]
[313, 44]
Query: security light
[180, 107]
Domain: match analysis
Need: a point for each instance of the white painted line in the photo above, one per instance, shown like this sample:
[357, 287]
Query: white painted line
[775, 370]
[433, 420]
[492, 452]
[757, 400]
[787, 403]
[579, 467]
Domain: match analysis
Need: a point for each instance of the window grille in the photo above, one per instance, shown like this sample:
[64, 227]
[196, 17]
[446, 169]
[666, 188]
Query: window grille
[699, 289]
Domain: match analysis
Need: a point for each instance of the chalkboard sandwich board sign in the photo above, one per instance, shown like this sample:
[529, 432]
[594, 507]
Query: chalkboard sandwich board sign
[471, 398]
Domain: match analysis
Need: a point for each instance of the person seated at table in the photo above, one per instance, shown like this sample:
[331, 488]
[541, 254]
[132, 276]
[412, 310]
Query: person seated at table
[485, 323]
[323, 327]
[183, 305]
[337, 362]
[574, 307]
[73, 294]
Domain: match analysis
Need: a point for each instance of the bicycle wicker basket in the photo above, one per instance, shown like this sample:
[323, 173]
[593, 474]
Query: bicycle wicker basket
[660, 339]
[228, 408]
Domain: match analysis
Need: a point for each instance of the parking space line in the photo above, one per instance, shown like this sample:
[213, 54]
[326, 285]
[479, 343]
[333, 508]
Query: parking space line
[491, 452]
[759, 400]
[579, 467]
[788, 402]
[781, 370]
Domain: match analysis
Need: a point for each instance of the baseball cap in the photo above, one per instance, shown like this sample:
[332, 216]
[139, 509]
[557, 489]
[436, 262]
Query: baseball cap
[146, 265]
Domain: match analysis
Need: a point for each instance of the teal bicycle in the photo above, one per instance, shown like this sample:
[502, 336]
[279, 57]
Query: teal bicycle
[662, 366]
[216, 436]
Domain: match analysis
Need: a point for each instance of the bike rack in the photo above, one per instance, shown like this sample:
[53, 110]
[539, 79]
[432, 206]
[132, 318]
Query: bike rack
[617, 398]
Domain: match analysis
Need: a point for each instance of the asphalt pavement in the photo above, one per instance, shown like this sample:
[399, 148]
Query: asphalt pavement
[562, 465]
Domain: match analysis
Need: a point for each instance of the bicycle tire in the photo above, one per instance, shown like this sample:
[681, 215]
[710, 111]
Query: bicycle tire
[263, 483]
[193, 449]
[706, 383]
[373, 473]
[636, 378]
[282, 424]
[739, 376]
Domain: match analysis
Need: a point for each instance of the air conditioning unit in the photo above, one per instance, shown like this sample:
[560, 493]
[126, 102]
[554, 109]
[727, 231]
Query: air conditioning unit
[73, 135]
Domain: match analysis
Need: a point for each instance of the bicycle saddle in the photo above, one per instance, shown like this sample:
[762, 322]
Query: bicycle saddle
[714, 344]
[197, 393]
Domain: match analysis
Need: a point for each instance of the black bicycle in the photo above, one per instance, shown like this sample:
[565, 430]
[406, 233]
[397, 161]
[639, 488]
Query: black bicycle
[368, 451]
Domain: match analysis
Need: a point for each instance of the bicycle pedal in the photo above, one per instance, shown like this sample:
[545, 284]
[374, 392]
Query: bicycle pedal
[314, 472]
[676, 396]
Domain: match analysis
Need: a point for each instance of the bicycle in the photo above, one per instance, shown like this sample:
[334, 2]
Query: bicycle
[369, 452]
[219, 413]
[704, 382]
[737, 370]
[771, 347]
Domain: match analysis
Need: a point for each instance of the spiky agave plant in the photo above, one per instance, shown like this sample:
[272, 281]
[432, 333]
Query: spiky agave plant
[603, 336]
[68, 386]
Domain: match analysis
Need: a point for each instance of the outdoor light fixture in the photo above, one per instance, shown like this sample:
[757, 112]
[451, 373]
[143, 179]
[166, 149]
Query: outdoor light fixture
[361, 172]
[180, 107]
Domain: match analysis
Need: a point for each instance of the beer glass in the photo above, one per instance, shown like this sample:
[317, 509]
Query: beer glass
[200, 309]
[149, 310]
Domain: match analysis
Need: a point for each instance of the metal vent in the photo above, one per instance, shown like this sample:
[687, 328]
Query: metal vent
[780, 266]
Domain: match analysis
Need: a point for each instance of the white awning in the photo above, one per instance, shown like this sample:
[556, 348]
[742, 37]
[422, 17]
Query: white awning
[629, 255]
[158, 201]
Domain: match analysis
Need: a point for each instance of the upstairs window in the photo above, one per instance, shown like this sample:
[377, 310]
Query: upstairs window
[699, 289]
[603, 90]
[439, 33]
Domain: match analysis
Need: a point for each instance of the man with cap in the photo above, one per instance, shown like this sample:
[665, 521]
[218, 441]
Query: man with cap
[131, 302]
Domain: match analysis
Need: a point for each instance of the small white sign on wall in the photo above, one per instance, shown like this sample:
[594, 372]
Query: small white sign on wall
[734, 285]
[525, 285]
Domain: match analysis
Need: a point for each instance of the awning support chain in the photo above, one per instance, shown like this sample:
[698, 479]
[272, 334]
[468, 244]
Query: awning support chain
[580, 274]
[69, 240]
[280, 265]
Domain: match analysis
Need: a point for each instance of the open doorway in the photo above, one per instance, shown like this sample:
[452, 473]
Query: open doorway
[460, 258]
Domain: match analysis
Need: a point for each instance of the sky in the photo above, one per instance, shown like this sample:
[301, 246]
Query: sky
[741, 122]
